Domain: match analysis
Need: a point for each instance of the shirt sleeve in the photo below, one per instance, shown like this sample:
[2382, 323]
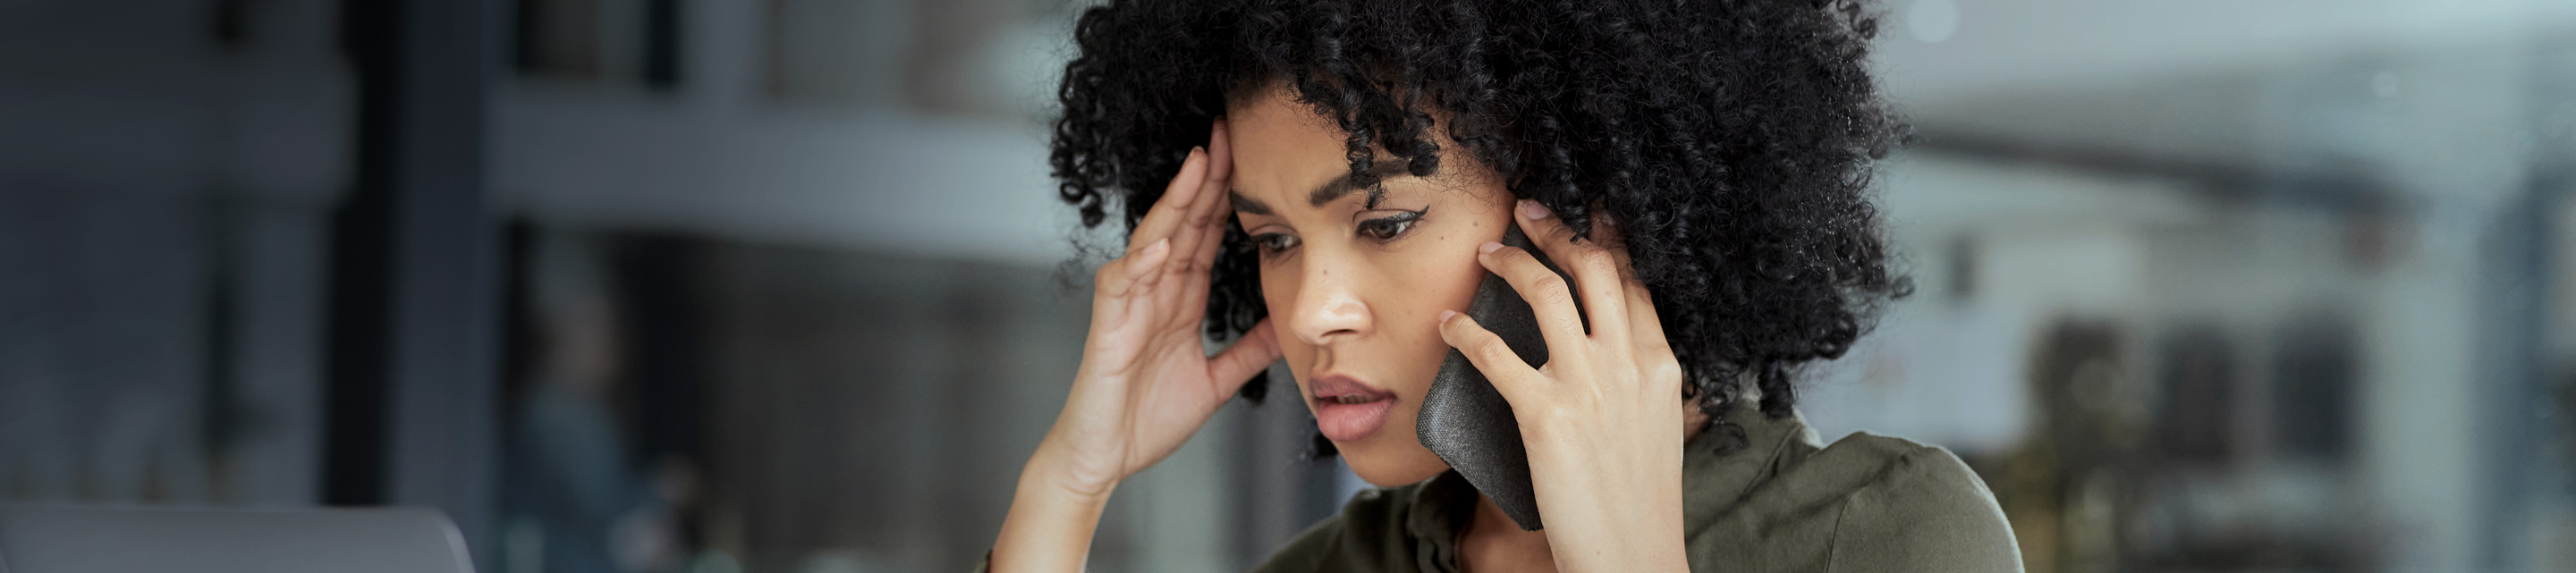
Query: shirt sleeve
[1928, 512]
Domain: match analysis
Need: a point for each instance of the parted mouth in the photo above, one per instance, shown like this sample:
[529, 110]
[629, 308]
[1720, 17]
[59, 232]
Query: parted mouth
[1340, 389]
[1347, 409]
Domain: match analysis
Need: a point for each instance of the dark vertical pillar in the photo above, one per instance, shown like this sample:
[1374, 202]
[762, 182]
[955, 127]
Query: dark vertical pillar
[658, 305]
[353, 443]
[662, 43]
[2516, 418]
[2514, 286]
[413, 330]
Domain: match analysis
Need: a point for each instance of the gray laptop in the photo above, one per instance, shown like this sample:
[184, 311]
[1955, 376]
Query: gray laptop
[75, 539]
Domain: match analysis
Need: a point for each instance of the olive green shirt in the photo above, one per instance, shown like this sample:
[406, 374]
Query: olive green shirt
[1781, 504]
[1867, 503]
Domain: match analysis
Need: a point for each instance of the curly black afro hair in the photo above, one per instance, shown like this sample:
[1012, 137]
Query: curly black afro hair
[1733, 141]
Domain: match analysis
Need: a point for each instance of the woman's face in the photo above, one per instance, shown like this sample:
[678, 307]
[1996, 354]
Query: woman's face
[1355, 279]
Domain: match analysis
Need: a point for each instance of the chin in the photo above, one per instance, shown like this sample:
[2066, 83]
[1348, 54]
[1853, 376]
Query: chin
[1391, 460]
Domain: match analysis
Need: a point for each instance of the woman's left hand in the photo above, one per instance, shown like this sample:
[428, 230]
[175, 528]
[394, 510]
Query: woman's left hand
[1601, 419]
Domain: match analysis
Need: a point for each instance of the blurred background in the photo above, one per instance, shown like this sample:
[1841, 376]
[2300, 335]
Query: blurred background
[781, 285]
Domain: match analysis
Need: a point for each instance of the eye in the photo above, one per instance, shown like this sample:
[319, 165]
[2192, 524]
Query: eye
[1389, 227]
[1271, 244]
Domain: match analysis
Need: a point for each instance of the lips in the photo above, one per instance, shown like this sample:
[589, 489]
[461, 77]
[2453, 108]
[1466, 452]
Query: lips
[1347, 409]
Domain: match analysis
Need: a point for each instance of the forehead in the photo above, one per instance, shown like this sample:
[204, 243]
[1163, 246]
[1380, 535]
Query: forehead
[1282, 149]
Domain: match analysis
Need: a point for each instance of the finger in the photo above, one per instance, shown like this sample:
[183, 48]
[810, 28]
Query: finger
[1654, 356]
[1220, 150]
[1595, 270]
[1551, 300]
[1248, 356]
[1169, 209]
[1116, 284]
[1645, 328]
[1211, 243]
[1137, 272]
[1208, 209]
[1489, 353]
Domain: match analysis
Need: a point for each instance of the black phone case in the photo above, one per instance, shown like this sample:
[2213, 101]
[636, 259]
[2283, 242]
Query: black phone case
[1466, 422]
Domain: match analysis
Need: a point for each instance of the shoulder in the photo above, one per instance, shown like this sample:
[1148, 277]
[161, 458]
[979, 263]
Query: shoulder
[1912, 507]
[1369, 534]
[1865, 503]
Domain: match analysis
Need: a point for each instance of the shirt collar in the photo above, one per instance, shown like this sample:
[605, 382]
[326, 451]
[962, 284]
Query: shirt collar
[1712, 481]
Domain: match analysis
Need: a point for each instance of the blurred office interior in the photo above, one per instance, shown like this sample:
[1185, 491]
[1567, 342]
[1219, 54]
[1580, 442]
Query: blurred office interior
[783, 286]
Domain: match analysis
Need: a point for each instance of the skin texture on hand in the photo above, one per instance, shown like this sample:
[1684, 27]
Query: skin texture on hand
[1145, 384]
[1598, 419]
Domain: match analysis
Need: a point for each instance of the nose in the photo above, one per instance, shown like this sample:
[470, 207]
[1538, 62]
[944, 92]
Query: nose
[1327, 308]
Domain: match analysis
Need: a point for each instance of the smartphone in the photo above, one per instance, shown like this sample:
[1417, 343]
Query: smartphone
[1466, 422]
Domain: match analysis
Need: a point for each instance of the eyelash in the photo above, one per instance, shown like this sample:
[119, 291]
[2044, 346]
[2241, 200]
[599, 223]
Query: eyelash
[1271, 244]
[1382, 229]
[1389, 227]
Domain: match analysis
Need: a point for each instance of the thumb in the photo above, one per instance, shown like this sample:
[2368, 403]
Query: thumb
[1249, 355]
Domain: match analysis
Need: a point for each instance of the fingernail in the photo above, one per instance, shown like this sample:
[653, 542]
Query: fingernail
[1444, 315]
[1532, 210]
[1157, 248]
[1489, 247]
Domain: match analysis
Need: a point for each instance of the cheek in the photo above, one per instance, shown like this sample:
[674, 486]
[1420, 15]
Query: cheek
[1438, 273]
[1278, 292]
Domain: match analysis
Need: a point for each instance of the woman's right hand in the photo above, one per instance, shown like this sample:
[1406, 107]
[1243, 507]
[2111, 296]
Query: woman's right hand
[1146, 382]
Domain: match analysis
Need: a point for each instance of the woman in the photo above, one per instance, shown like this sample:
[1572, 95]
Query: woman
[1327, 183]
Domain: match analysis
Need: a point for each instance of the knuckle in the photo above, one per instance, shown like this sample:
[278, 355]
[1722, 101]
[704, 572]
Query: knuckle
[1665, 383]
[1550, 287]
[1493, 351]
[1567, 323]
[1664, 372]
[1662, 354]
[1555, 229]
[1660, 361]
[1598, 262]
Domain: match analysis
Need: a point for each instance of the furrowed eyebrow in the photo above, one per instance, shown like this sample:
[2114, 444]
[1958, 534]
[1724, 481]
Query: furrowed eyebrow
[1247, 205]
[1340, 186]
[1329, 192]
